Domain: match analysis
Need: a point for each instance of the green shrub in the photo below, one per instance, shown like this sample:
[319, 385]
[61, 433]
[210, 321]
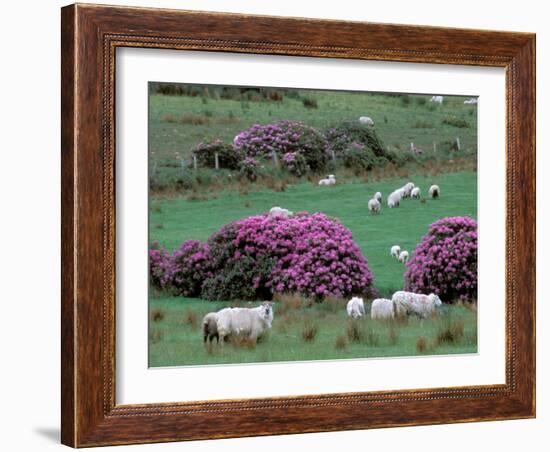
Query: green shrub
[455, 121]
[360, 157]
[228, 156]
[342, 135]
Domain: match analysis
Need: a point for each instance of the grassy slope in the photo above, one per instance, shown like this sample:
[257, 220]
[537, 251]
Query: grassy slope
[175, 340]
[176, 220]
[395, 122]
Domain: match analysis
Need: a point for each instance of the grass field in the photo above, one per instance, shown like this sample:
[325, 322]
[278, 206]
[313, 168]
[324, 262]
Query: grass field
[398, 122]
[215, 198]
[173, 221]
[175, 337]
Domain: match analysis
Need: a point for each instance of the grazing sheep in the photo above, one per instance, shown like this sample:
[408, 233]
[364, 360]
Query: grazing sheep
[471, 101]
[434, 191]
[395, 251]
[366, 120]
[355, 308]
[329, 180]
[248, 322]
[437, 99]
[415, 193]
[408, 303]
[210, 327]
[378, 196]
[374, 205]
[395, 198]
[276, 212]
[407, 189]
[404, 257]
[382, 308]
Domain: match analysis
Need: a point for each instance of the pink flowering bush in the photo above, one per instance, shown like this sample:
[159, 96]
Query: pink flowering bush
[309, 254]
[283, 137]
[190, 267]
[445, 262]
[295, 163]
[160, 268]
[250, 168]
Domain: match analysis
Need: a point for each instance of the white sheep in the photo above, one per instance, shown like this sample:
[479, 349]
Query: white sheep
[374, 206]
[407, 189]
[247, 322]
[378, 196]
[394, 198]
[437, 99]
[434, 191]
[407, 303]
[366, 120]
[329, 180]
[355, 308]
[395, 251]
[382, 309]
[404, 257]
[210, 327]
[276, 212]
[415, 193]
[471, 101]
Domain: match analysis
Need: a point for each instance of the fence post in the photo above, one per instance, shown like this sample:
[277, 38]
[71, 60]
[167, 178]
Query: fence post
[457, 144]
[435, 147]
[275, 158]
[333, 155]
[194, 162]
[216, 160]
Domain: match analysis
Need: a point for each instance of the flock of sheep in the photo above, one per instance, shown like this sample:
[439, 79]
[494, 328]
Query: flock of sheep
[251, 323]
[409, 190]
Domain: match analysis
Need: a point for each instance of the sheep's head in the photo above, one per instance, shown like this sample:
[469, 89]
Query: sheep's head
[435, 299]
[266, 310]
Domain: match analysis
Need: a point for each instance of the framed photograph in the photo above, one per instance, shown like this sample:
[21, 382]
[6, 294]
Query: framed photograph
[281, 225]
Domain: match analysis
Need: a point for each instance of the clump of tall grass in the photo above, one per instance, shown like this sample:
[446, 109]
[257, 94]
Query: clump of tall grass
[355, 330]
[157, 315]
[340, 342]
[421, 344]
[190, 318]
[309, 331]
[450, 332]
[155, 336]
[455, 121]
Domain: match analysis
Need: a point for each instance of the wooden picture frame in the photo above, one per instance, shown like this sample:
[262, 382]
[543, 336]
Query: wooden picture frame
[90, 37]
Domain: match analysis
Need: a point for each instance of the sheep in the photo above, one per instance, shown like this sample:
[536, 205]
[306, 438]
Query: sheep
[329, 180]
[410, 303]
[395, 198]
[415, 193]
[434, 191]
[366, 120]
[437, 99]
[210, 327]
[378, 196]
[471, 101]
[276, 212]
[403, 257]
[382, 308]
[249, 322]
[395, 251]
[407, 189]
[355, 308]
[374, 206]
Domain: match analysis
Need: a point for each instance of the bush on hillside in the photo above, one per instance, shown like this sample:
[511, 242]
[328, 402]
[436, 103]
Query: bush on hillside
[228, 156]
[445, 261]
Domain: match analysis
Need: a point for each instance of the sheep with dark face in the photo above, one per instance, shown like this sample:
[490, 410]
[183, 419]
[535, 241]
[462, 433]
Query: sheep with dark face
[210, 327]
[434, 191]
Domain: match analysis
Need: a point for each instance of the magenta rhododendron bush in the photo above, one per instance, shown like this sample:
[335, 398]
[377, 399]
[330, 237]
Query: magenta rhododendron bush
[253, 258]
[281, 138]
[445, 262]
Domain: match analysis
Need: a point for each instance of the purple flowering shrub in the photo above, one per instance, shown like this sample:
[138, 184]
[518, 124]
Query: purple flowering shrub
[309, 254]
[445, 261]
[228, 156]
[295, 163]
[283, 137]
[250, 168]
[160, 268]
[190, 267]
